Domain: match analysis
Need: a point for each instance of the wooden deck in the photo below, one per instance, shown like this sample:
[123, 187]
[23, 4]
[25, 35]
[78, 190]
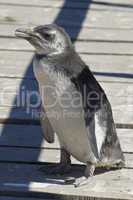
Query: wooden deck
[102, 31]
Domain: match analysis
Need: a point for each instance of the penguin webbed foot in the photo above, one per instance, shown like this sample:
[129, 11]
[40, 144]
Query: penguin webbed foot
[81, 181]
[84, 180]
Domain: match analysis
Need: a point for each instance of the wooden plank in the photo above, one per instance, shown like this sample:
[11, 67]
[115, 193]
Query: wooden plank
[11, 88]
[22, 198]
[36, 155]
[104, 47]
[30, 155]
[123, 115]
[93, 18]
[7, 30]
[18, 115]
[32, 136]
[73, 4]
[81, 46]
[16, 88]
[12, 92]
[61, 2]
[109, 185]
[109, 63]
[23, 136]
[18, 64]
[116, 1]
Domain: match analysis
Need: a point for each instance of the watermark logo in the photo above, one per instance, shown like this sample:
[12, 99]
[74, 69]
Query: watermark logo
[65, 103]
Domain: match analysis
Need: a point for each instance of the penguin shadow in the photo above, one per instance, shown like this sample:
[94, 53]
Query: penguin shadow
[76, 171]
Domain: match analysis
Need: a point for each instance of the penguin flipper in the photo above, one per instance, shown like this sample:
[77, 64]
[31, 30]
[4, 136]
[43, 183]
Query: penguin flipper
[47, 129]
[110, 152]
[99, 119]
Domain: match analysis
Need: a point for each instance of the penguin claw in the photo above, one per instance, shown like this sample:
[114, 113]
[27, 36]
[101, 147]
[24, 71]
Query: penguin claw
[81, 181]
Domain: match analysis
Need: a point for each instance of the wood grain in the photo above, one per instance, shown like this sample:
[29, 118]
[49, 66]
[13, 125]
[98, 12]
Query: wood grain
[99, 34]
[15, 93]
[32, 136]
[112, 68]
[93, 18]
[36, 155]
[32, 182]
[81, 47]
[108, 4]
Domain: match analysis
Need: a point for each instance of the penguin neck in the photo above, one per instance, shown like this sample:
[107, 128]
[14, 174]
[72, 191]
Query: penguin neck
[68, 61]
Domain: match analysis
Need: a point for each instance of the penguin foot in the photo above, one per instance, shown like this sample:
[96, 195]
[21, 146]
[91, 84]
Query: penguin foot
[89, 171]
[57, 170]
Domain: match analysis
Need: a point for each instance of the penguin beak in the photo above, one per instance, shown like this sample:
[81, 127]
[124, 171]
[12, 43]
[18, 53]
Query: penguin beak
[24, 33]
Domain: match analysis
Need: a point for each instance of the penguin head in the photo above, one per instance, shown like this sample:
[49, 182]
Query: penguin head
[48, 40]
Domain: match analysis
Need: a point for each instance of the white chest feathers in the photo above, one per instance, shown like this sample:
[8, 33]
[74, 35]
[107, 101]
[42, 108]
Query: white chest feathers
[48, 76]
[99, 133]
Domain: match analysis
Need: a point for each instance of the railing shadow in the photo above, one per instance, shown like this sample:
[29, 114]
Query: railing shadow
[28, 116]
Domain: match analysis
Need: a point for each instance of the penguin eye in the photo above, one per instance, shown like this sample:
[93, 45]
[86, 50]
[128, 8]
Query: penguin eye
[48, 36]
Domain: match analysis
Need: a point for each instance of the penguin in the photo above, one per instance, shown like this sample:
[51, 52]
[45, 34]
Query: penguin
[76, 106]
